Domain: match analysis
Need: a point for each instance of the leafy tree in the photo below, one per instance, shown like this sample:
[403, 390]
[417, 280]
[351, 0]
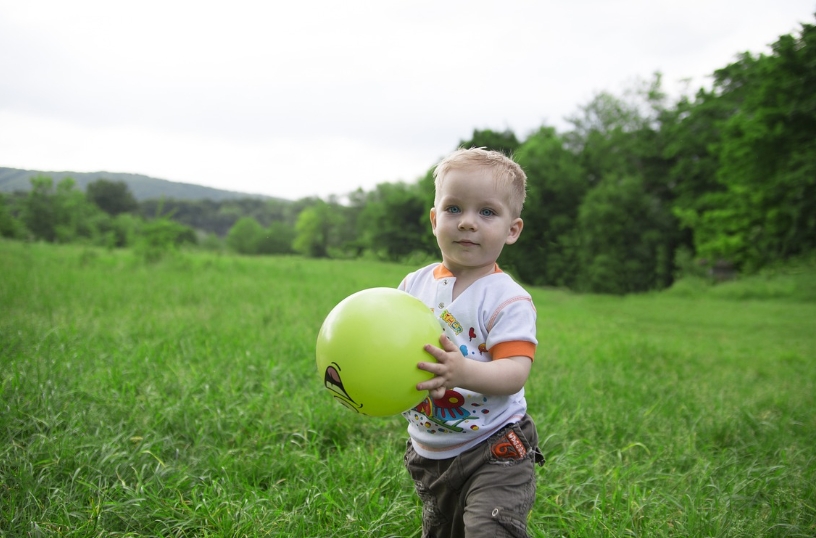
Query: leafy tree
[767, 153]
[328, 228]
[624, 239]
[62, 214]
[283, 211]
[39, 215]
[76, 217]
[277, 239]
[245, 236]
[692, 130]
[112, 197]
[395, 219]
[219, 216]
[345, 240]
[603, 137]
[9, 226]
[546, 252]
[211, 242]
[123, 230]
[315, 230]
[624, 137]
[162, 236]
[620, 135]
[504, 142]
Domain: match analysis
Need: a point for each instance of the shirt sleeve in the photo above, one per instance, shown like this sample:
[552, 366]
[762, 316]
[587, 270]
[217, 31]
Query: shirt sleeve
[406, 282]
[512, 329]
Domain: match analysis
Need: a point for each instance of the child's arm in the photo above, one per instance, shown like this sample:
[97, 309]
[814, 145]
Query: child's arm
[498, 377]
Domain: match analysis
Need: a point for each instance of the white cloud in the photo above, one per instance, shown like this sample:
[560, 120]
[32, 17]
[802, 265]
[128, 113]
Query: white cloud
[284, 167]
[354, 92]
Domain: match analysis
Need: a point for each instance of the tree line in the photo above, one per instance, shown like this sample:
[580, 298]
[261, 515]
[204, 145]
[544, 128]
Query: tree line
[638, 190]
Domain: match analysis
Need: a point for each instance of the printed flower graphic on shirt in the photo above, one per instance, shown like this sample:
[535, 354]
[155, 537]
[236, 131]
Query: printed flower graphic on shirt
[447, 411]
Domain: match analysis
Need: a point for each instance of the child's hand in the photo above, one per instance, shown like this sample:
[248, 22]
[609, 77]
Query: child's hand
[448, 370]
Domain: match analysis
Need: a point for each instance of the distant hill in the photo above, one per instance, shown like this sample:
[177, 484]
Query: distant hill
[142, 187]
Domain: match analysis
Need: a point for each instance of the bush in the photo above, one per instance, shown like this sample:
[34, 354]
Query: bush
[9, 226]
[211, 242]
[245, 236]
[277, 239]
[161, 236]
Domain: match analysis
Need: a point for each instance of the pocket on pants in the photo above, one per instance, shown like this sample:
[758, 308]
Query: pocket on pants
[509, 446]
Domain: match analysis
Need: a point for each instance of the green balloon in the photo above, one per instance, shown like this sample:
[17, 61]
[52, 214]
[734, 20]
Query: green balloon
[368, 350]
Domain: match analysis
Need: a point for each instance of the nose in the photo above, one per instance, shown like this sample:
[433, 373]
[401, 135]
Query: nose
[466, 222]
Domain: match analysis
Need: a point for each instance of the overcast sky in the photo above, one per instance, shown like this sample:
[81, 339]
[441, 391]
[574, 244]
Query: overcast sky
[320, 97]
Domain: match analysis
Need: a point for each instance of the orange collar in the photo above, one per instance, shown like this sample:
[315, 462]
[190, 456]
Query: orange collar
[440, 271]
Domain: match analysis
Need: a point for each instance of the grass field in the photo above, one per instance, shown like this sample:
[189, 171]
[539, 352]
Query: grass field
[182, 399]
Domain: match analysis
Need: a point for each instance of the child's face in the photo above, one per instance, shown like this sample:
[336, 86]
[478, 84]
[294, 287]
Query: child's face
[472, 220]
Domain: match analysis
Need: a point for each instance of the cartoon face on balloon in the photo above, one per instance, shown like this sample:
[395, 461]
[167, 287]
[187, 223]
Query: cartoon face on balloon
[334, 383]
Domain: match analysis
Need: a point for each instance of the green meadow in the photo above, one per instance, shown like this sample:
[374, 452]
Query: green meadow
[181, 398]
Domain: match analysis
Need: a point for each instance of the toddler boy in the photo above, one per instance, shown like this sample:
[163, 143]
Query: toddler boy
[473, 448]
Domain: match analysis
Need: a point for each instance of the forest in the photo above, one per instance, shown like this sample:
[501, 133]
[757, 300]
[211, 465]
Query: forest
[640, 190]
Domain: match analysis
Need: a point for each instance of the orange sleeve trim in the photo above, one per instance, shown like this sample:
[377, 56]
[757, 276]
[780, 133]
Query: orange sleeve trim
[519, 348]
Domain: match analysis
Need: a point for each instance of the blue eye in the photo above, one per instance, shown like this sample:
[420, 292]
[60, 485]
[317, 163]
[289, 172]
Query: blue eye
[487, 212]
[453, 209]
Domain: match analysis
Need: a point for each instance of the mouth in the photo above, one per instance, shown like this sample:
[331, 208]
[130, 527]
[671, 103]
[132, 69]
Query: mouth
[466, 243]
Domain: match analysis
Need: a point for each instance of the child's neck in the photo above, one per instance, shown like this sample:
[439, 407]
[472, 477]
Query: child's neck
[466, 277]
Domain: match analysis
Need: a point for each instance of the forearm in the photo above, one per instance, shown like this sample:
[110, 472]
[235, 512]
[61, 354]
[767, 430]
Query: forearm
[498, 377]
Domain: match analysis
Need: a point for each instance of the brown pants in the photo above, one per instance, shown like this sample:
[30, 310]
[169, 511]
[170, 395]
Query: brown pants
[486, 491]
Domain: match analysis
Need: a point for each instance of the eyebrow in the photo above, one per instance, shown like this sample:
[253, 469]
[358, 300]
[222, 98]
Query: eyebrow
[450, 198]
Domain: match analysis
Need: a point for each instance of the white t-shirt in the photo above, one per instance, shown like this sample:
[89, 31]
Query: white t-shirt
[493, 318]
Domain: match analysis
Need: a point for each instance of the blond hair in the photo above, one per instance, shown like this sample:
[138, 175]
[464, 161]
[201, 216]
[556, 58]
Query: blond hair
[506, 172]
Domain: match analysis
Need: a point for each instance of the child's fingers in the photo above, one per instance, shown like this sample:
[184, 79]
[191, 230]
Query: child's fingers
[435, 368]
[435, 352]
[432, 367]
[435, 387]
[440, 354]
[447, 343]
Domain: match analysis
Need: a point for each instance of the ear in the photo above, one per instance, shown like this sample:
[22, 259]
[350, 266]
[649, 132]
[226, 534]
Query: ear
[514, 232]
[433, 220]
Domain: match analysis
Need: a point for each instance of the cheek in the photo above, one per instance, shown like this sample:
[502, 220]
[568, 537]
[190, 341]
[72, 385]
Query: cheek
[442, 222]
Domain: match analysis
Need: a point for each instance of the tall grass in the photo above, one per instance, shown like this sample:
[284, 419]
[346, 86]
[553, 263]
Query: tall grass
[181, 399]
